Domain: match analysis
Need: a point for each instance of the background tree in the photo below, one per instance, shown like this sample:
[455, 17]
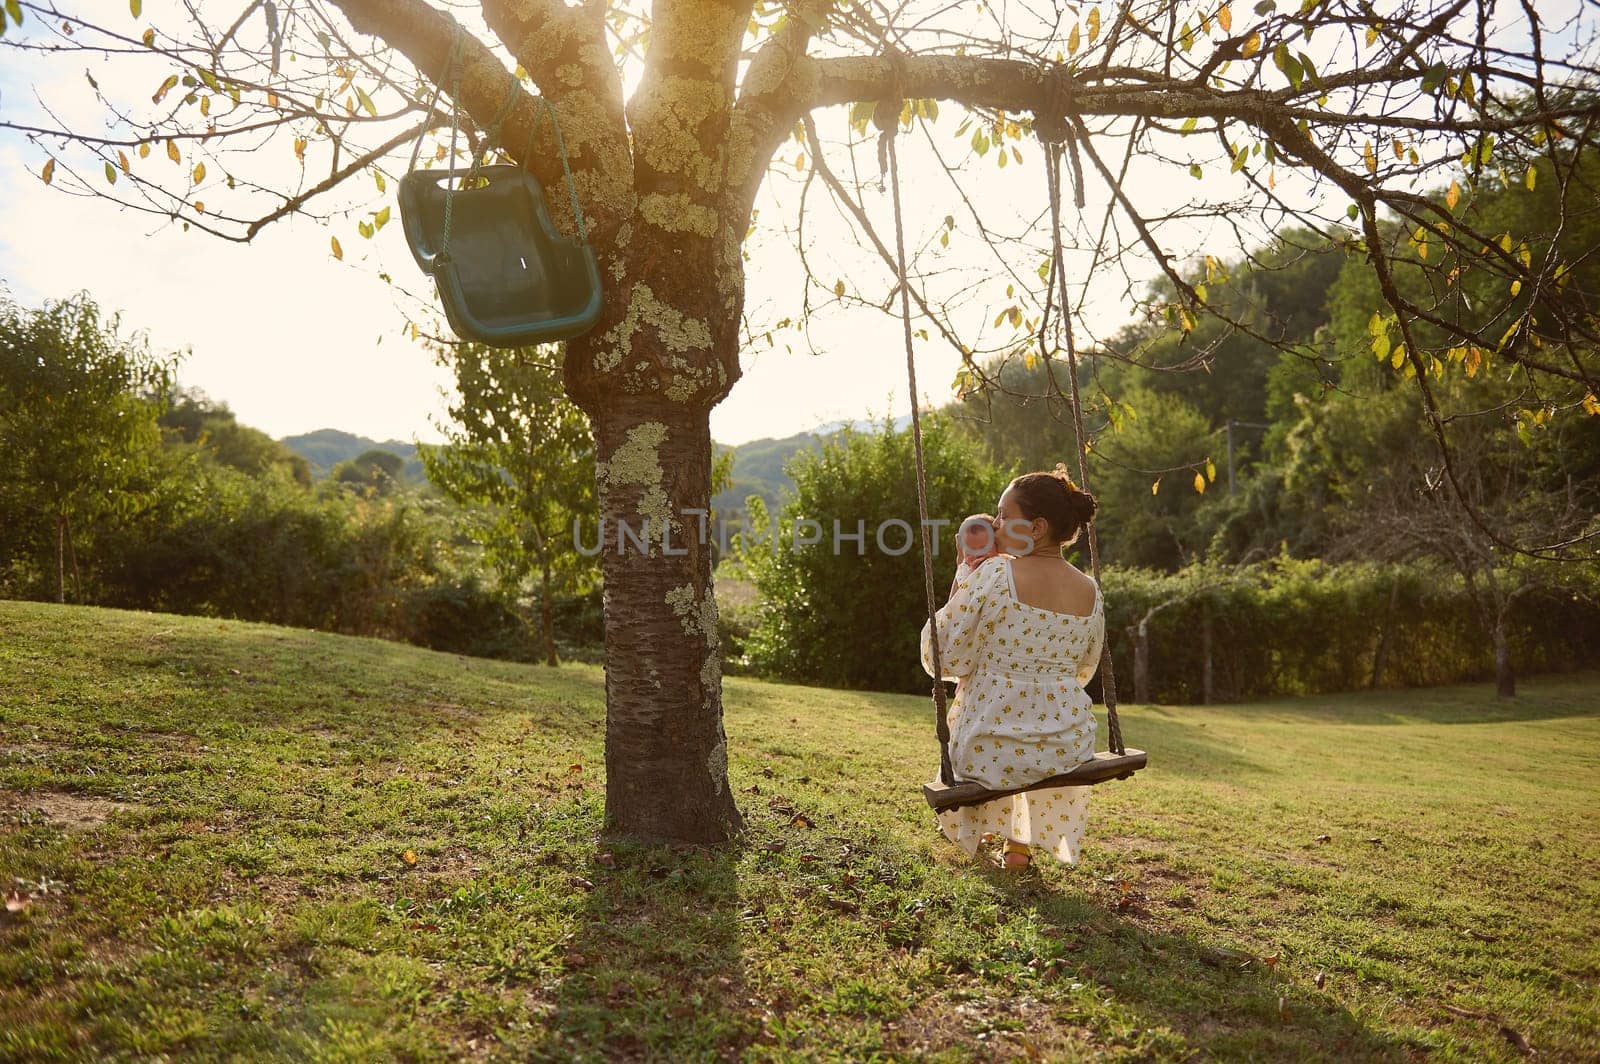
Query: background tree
[521, 453]
[1317, 108]
[847, 612]
[79, 430]
[372, 471]
[195, 419]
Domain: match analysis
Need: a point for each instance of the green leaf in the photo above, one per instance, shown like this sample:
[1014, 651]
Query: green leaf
[381, 218]
[366, 102]
[136, 7]
[111, 173]
[14, 9]
[1195, 171]
[1239, 159]
[1189, 124]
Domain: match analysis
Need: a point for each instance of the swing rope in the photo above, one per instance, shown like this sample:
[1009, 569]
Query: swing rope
[490, 138]
[1052, 166]
[887, 118]
[886, 142]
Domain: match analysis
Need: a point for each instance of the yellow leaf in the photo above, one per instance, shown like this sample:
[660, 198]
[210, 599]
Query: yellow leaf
[1516, 288]
[1156, 486]
[1372, 36]
[1370, 158]
[1094, 24]
[338, 252]
[199, 207]
[800, 161]
[1225, 17]
[1200, 483]
[1252, 45]
[1453, 196]
[1211, 470]
[122, 161]
[49, 171]
[1531, 179]
[144, 151]
[1073, 40]
[199, 172]
[409, 857]
[173, 153]
[272, 98]
[1591, 405]
[838, 287]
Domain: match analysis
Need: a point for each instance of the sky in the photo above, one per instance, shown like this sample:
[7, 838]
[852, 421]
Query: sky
[294, 340]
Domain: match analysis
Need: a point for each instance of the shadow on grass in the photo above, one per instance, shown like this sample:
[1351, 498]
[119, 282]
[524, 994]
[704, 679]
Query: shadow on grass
[654, 968]
[667, 962]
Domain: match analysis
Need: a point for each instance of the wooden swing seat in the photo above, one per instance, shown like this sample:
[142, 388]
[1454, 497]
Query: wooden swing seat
[1104, 766]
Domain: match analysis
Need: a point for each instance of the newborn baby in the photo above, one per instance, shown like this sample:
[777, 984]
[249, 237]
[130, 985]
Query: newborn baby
[977, 542]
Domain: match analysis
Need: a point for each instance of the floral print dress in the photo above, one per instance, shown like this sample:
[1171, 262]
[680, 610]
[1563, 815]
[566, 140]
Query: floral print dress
[1020, 714]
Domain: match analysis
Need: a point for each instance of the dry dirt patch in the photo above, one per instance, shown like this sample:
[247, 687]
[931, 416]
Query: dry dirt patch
[75, 812]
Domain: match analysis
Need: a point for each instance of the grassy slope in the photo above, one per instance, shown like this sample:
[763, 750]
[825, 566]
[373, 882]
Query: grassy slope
[252, 895]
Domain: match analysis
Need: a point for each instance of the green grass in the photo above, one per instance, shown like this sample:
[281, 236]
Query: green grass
[210, 821]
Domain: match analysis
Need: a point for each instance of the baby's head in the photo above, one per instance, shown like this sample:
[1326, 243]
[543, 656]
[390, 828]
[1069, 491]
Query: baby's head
[977, 537]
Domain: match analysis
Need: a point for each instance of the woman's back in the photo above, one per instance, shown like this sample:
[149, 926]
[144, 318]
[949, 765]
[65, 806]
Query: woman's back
[1052, 584]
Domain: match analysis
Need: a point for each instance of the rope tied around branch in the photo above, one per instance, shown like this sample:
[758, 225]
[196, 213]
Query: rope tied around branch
[1052, 123]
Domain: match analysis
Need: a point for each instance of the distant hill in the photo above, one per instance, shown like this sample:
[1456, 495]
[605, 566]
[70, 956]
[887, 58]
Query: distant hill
[758, 465]
[326, 448]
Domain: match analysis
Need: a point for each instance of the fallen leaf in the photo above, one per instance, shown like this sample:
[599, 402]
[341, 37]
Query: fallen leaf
[776, 846]
[16, 901]
[409, 857]
[581, 883]
[1272, 961]
[1516, 1038]
[1322, 978]
[605, 860]
[574, 768]
[801, 820]
[1375, 841]
[1323, 838]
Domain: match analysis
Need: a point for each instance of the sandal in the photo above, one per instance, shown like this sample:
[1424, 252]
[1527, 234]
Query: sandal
[1013, 849]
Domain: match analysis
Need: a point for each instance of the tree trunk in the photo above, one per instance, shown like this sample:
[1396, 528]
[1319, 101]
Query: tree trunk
[1505, 678]
[61, 559]
[547, 619]
[1208, 691]
[72, 559]
[1141, 661]
[666, 752]
[1380, 657]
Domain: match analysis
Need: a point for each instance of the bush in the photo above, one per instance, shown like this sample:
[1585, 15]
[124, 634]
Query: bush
[848, 619]
[1291, 627]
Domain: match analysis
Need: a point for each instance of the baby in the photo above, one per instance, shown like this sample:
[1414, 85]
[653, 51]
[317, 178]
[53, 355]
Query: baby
[977, 542]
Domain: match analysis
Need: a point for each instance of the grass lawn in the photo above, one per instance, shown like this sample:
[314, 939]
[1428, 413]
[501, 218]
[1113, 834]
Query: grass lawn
[229, 839]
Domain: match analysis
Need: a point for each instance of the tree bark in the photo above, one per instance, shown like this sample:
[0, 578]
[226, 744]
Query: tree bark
[547, 620]
[1380, 657]
[1140, 634]
[666, 752]
[1505, 678]
[61, 559]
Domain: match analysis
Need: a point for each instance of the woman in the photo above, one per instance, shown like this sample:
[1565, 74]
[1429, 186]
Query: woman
[1024, 633]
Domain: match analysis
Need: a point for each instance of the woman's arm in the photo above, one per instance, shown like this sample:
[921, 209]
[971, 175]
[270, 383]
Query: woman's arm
[961, 628]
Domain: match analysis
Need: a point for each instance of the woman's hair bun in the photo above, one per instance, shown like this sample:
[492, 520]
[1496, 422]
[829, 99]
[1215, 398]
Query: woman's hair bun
[1053, 496]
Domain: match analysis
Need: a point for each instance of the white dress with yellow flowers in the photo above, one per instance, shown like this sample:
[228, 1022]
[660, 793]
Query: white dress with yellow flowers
[1021, 713]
